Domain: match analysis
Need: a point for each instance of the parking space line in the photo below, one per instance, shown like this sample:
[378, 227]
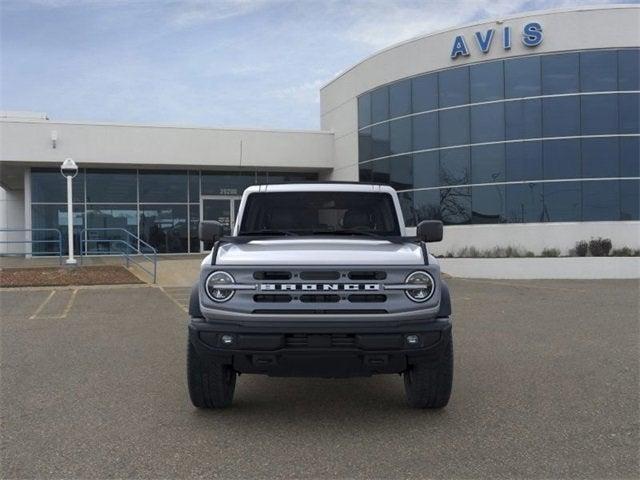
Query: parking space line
[66, 310]
[182, 307]
[42, 305]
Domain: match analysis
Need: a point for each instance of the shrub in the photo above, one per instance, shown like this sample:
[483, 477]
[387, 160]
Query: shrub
[600, 247]
[624, 252]
[581, 248]
[550, 252]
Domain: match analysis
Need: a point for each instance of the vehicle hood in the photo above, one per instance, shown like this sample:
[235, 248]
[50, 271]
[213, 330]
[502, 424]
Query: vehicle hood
[325, 251]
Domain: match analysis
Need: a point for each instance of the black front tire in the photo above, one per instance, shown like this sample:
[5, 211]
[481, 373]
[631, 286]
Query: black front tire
[211, 384]
[428, 384]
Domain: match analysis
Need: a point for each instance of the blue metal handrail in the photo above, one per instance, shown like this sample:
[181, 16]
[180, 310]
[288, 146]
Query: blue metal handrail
[32, 241]
[129, 257]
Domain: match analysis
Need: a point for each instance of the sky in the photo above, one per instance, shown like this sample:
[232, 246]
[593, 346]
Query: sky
[217, 63]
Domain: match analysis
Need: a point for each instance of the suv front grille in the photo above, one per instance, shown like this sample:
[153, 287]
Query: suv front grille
[301, 340]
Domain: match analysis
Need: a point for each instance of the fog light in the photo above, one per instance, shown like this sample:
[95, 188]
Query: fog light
[413, 339]
[226, 339]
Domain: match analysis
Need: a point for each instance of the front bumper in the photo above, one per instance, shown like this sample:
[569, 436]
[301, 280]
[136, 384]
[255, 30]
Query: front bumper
[321, 349]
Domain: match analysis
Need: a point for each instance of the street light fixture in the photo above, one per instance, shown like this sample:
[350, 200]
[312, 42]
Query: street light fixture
[69, 169]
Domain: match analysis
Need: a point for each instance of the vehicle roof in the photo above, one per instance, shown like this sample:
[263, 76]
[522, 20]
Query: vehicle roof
[320, 187]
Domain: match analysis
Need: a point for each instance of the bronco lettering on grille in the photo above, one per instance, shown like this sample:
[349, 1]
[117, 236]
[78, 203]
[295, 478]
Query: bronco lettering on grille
[323, 287]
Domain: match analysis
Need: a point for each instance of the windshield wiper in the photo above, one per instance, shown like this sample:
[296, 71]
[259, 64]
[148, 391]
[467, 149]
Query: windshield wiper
[286, 233]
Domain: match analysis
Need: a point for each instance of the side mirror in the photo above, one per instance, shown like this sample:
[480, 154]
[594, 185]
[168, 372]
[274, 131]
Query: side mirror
[429, 230]
[210, 231]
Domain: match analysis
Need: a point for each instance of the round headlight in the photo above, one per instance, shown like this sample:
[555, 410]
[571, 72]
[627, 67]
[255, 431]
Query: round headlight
[215, 286]
[425, 286]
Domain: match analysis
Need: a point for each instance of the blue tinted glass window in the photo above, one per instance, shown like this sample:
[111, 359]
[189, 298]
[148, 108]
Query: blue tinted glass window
[364, 110]
[49, 186]
[425, 131]
[454, 166]
[629, 69]
[401, 172]
[560, 73]
[55, 216]
[488, 204]
[523, 161]
[426, 169]
[165, 227]
[400, 98]
[562, 201]
[426, 204]
[524, 203]
[406, 205]
[522, 77]
[454, 127]
[400, 135]
[601, 200]
[487, 81]
[630, 157]
[380, 104]
[194, 221]
[561, 116]
[629, 112]
[487, 163]
[454, 87]
[365, 145]
[380, 171]
[487, 123]
[630, 200]
[425, 92]
[113, 217]
[365, 172]
[600, 157]
[455, 205]
[599, 114]
[523, 119]
[229, 183]
[380, 140]
[163, 186]
[561, 159]
[194, 186]
[106, 186]
[599, 71]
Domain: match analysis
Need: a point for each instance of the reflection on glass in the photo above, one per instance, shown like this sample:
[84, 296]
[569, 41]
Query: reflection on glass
[401, 172]
[400, 98]
[454, 87]
[194, 186]
[425, 131]
[599, 114]
[487, 123]
[523, 161]
[454, 166]
[380, 140]
[454, 127]
[522, 77]
[561, 159]
[600, 157]
[524, 203]
[49, 186]
[629, 69]
[601, 200]
[426, 169]
[380, 104]
[114, 218]
[424, 92]
[488, 204]
[400, 135]
[455, 205]
[55, 216]
[107, 186]
[560, 73]
[561, 116]
[599, 71]
[426, 205]
[629, 112]
[562, 201]
[364, 110]
[523, 119]
[226, 183]
[194, 220]
[487, 81]
[365, 145]
[165, 227]
[630, 200]
[630, 157]
[163, 186]
[487, 163]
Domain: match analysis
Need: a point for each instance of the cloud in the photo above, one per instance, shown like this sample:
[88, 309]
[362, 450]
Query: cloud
[194, 12]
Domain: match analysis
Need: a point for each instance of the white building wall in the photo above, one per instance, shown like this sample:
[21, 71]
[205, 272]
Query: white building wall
[11, 216]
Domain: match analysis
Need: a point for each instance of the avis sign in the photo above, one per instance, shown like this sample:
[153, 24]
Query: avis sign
[531, 37]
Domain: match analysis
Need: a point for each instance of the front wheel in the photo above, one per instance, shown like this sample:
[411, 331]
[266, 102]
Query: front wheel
[211, 384]
[428, 384]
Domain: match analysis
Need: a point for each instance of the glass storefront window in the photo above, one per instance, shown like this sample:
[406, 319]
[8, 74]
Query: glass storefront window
[426, 205]
[194, 221]
[400, 98]
[226, 183]
[599, 114]
[600, 157]
[424, 93]
[364, 172]
[523, 161]
[401, 172]
[112, 186]
[454, 87]
[522, 77]
[165, 227]
[524, 203]
[523, 119]
[560, 73]
[487, 81]
[488, 204]
[487, 123]
[454, 166]
[425, 131]
[380, 171]
[55, 216]
[455, 205]
[454, 127]
[426, 169]
[163, 186]
[115, 218]
[194, 186]
[598, 71]
[561, 159]
[49, 186]
[487, 163]
[561, 116]
[400, 135]
[364, 110]
[380, 104]
[562, 201]
[600, 200]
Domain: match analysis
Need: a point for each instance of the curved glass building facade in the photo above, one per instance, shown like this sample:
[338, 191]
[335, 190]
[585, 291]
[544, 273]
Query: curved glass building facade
[536, 138]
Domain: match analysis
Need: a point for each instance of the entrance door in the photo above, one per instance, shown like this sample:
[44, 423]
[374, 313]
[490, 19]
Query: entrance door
[222, 209]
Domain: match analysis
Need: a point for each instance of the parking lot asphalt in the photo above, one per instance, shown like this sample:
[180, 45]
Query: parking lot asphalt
[545, 386]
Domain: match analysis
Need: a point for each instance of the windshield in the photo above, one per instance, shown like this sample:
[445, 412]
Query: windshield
[318, 213]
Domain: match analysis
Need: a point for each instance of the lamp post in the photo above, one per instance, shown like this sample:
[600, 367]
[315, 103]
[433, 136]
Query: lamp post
[69, 169]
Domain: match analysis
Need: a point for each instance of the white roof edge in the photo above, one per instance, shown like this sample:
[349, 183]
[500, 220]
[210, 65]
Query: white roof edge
[319, 187]
[481, 22]
[147, 125]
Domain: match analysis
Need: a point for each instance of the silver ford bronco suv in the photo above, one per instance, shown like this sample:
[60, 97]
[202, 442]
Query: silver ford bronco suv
[320, 280]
